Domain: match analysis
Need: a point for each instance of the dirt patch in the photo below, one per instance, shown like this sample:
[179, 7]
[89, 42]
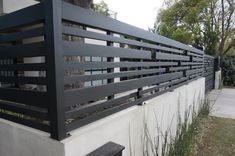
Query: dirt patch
[214, 137]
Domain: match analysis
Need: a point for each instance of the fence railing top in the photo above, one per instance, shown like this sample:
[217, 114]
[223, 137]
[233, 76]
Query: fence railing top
[209, 56]
[87, 17]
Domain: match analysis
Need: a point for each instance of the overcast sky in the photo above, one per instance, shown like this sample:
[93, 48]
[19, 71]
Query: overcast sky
[140, 13]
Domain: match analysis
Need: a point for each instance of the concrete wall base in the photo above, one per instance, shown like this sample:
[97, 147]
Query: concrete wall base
[126, 128]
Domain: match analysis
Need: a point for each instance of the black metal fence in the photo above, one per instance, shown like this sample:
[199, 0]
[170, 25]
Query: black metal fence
[209, 72]
[63, 66]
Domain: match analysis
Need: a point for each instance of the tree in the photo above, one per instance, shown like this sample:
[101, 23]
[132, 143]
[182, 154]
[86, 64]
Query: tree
[81, 3]
[226, 18]
[207, 24]
[101, 8]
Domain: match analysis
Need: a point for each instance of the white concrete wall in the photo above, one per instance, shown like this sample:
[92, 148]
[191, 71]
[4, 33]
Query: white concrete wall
[126, 127]
[18, 140]
[218, 79]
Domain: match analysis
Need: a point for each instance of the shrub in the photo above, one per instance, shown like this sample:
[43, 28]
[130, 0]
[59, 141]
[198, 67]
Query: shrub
[228, 71]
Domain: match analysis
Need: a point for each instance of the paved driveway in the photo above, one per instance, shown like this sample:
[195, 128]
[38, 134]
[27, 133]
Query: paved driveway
[223, 102]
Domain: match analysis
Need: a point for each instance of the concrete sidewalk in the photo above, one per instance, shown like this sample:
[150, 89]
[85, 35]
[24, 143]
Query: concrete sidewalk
[223, 102]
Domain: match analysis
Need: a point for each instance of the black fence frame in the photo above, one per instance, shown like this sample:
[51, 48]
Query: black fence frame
[150, 64]
[209, 72]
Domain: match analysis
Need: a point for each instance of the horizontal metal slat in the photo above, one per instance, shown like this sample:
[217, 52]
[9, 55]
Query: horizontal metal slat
[191, 63]
[142, 92]
[91, 108]
[94, 117]
[22, 35]
[24, 67]
[26, 122]
[190, 72]
[21, 17]
[92, 93]
[84, 16]
[93, 35]
[24, 80]
[165, 56]
[208, 57]
[33, 98]
[71, 79]
[81, 49]
[25, 50]
[209, 68]
[195, 54]
[197, 59]
[24, 109]
[99, 115]
[178, 68]
[193, 67]
[97, 65]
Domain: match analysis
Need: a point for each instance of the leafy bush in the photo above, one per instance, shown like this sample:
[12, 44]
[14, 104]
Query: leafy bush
[228, 71]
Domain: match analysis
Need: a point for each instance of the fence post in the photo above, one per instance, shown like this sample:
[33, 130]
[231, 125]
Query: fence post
[217, 64]
[139, 68]
[110, 59]
[53, 38]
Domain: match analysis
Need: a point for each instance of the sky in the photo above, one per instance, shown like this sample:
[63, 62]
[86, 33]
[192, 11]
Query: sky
[140, 13]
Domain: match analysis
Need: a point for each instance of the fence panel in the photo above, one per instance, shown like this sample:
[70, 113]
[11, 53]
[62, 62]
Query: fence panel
[23, 77]
[64, 68]
[148, 65]
[209, 72]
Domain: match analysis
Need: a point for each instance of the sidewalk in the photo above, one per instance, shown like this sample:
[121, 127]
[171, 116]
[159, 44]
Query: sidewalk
[223, 102]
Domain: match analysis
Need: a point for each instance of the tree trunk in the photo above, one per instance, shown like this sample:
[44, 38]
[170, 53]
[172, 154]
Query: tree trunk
[221, 47]
[222, 42]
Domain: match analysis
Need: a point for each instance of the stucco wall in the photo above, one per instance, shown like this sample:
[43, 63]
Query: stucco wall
[18, 140]
[218, 79]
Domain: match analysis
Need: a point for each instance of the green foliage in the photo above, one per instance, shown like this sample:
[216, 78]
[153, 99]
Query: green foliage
[182, 35]
[228, 71]
[180, 21]
[101, 8]
[207, 24]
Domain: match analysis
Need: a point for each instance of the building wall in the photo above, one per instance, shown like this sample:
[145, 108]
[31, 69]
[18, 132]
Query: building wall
[127, 127]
